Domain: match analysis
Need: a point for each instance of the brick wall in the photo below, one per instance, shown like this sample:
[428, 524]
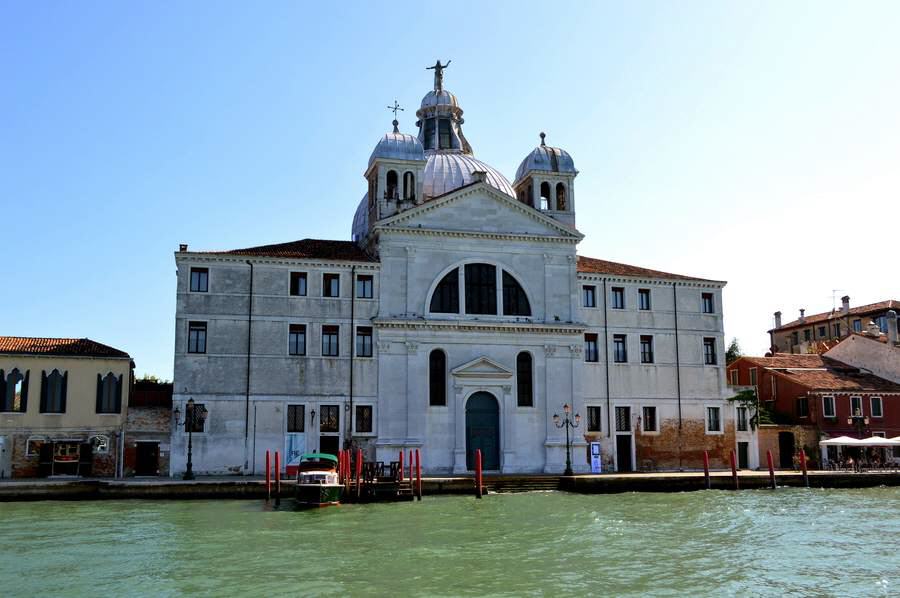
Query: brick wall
[670, 449]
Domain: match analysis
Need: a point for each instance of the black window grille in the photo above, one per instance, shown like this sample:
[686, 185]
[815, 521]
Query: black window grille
[595, 424]
[648, 422]
[329, 418]
[481, 289]
[623, 419]
[515, 301]
[296, 419]
[445, 299]
[364, 419]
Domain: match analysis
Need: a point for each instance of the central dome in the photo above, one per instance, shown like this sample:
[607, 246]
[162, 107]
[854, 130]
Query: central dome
[446, 171]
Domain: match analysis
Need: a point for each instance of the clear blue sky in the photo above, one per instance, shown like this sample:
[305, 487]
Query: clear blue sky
[756, 142]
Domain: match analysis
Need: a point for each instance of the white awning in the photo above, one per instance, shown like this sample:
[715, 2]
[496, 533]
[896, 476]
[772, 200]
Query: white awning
[871, 441]
[841, 441]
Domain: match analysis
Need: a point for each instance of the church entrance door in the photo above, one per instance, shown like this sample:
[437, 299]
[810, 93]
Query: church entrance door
[483, 430]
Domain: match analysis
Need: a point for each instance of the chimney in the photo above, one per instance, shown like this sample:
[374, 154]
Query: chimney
[892, 327]
[845, 304]
[777, 319]
[182, 247]
[802, 316]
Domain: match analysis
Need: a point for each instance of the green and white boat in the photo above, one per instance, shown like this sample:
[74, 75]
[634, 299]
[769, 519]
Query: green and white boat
[317, 481]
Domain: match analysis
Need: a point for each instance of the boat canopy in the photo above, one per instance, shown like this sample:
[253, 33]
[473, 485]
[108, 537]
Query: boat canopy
[318, 457]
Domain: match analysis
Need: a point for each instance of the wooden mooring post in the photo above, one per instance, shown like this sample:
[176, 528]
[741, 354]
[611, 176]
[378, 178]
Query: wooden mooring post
[418, 476]
[771, 469]
[478, 487]
[268, 476]
[277, 479]
[734, 475]
[706, 468]
[401, 465]
[803, 467]
[359, 463]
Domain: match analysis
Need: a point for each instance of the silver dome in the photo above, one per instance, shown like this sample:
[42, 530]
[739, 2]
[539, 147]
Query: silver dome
[398, 146]
[445, 172]
[548, 159]
[360, 229]
[439, 98]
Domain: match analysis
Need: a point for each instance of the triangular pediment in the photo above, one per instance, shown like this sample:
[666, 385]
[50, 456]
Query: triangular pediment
[479, 208]
[482, 367]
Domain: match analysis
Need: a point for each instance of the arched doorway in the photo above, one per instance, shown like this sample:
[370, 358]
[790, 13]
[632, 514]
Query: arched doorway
[483, 430]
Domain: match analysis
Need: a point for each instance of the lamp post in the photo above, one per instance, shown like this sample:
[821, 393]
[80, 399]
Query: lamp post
[567, 423]
[858, 421]
[192, 414]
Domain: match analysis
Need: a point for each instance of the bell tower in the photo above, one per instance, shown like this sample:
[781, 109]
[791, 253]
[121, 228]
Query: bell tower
[545, 180]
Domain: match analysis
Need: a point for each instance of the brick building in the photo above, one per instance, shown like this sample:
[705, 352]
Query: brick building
[148, 429]
[816, 391]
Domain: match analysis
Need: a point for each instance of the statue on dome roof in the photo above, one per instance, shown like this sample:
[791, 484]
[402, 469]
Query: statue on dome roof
[438, 74]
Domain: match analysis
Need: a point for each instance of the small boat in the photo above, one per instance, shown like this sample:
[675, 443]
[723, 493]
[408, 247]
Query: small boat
[317, 481]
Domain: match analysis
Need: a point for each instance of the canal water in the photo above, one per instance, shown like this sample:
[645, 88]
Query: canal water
[712, 543]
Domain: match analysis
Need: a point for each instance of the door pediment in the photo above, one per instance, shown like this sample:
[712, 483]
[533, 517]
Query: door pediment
[482, 367]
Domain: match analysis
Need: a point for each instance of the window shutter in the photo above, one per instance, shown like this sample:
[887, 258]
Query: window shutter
[43, 391]
[99, 394]
[119, 395]
[24, 391]
[2, 388]
[62, 397]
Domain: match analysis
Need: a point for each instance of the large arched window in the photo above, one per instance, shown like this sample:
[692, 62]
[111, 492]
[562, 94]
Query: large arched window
[437, 378]
[481, 289]
[409, 185]
[524, 382]
[445, 299]
[515, 301]
[560, 197]
[391, 191]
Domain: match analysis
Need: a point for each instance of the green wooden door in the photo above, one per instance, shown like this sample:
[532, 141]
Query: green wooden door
[483, 431]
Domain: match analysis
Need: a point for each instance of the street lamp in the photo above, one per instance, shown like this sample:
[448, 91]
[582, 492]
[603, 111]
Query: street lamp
[192, 415]
[567, 423]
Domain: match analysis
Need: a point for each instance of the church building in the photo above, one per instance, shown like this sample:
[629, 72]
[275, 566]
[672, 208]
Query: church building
[459, 316]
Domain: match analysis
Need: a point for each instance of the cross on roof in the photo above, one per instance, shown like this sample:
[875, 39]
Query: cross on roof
[395, 108]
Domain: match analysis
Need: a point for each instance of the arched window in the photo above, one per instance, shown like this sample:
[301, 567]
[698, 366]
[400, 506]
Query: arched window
[530, 200]
[391, 191]
[53, 392]
[444, 134]
[445, 299]
[409, 185]
[560, 197]
[481, 289]
[437, 378]
[14, 391]
[515, 301]
[429, 133]
[109, 393]
[524, 382]
[545, 196]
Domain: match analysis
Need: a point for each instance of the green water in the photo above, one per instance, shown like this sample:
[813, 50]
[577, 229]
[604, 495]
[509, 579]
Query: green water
[751, 543]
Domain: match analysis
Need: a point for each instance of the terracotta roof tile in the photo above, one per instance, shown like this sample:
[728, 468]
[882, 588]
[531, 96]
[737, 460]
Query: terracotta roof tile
[788, 360]
[823, 373]
[308, 249]
[861, 310]
[591, 265]
[78, 347]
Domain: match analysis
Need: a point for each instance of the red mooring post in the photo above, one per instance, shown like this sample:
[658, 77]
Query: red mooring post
[734, 476]
[418, 476]
[412, 480]
[706, 468]
[478, 488]
[268, 476]
[771, 469]
[341, 466]
[359, 459]
[803, 467]
[401, 465]
[277, 479]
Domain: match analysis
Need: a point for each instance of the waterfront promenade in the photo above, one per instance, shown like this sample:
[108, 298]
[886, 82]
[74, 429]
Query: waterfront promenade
[231, 487]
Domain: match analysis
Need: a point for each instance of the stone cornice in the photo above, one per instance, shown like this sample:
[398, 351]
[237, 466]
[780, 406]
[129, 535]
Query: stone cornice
[476, 234]
[595, 277]
[198, 257]
[477, 326]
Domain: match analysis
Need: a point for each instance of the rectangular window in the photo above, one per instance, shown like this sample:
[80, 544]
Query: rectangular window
[644, 299]
[363, 424]
[364, 341]
[590, 348]
[620, 349]
[837, 330]
[618, 298]
[802, 407]
[646, 348]
[595, 424]
[713, 419]
[823, 332]
[795, 337]
[331, 285]
[443, 133]
[709, 351]
[881, 321]
[828, 407]
[297, 339]
[364, 286]
[623, 419]
[589, 295]
[807, 335]
[708, 304]
[752, 376]
[296, 419]
[298, 284]
[197, 337]
[876, 406]
[195, 418]
[330, 341]
[856, 406]
[733, 374]
[329, 418]
[648, 423]
[742, 421]
[199, 280]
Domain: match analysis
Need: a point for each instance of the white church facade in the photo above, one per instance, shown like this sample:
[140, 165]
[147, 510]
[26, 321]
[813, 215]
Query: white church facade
[459, 316]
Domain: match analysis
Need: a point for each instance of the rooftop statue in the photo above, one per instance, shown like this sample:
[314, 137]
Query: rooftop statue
[438, 74]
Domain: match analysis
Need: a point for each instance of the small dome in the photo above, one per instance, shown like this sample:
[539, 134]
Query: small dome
[445, 172]
[398, 146]
[547, 159]
[360, 227]
[439, 98]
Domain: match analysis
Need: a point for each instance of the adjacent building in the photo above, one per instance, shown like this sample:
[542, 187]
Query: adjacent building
[459, 317]
[148, 427]
[62, 407]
